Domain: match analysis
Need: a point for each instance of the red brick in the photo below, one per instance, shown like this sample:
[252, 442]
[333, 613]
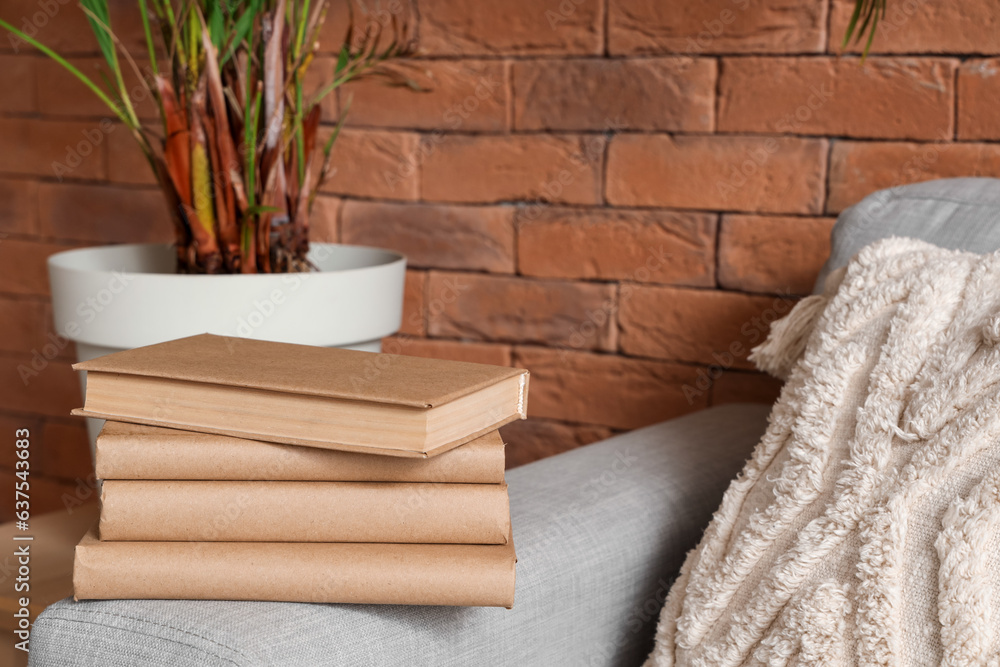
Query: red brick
[613, 244]
[23, 324]
[23, 268]
[858, 169]
[737, 387]
[54, 149]
[369, 18]
[925, 27]
[499, 308]
[324, 221]
[66, 350]
[701, 326]
[126, 162]
[466, 95]
[716, 26]
[477, 353]
[18, 206]
[334, 29]
[34, 385]
[556, 168]
[833, 96]
[17, 81]
[104, 214]
[60, 93]
[731, 173]
[533, 439]
[375, 163]
[670, 94]
[978, 89]
[477, 238]
[414, 304]
[63, 26]
[604, 389]
[65, 450]
[321, 73]
[517, 27]
[771, 254]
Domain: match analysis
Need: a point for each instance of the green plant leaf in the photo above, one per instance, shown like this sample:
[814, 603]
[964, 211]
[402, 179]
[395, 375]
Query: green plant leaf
[216, 24]
[867, 13]
[80, 76]
[99, 19]
[150, 46]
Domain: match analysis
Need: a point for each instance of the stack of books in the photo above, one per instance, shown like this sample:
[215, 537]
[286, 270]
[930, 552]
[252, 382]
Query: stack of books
[237, 469]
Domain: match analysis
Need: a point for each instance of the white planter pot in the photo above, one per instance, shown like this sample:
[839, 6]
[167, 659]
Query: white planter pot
[119, 297]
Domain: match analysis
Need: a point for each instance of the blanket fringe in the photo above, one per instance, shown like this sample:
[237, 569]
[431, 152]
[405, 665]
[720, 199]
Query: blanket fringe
[788, 337]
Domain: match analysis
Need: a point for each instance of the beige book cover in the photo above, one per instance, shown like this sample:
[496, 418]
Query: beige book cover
[211, 511]
[419, 574]
[135, 451]
[304, 395]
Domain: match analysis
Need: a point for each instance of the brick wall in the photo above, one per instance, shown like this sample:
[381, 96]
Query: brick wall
[615, 194]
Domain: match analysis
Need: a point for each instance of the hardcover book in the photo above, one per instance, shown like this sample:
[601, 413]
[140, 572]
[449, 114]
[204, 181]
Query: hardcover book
[210, 511]
[136, 451]
[303, 395]
[423, 574]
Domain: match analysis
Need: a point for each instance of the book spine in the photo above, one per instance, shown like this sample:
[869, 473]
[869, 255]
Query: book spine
[460, 575]
[190, 456]
[212, 511]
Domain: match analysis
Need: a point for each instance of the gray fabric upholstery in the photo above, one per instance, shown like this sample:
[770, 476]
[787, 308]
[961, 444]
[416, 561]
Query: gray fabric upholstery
[600, 532]
[954, 213]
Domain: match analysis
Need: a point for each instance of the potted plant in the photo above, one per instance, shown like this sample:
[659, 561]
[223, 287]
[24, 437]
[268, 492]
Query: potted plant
[238, 156]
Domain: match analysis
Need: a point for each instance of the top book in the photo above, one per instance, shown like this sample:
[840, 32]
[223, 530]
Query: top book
[304, 395]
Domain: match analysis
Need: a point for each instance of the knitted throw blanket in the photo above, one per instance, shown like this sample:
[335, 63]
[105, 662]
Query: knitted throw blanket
[865, 529]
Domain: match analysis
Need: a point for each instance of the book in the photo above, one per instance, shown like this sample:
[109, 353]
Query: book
[136, 451]
[303, 395]
[213, 511]
[424, 574]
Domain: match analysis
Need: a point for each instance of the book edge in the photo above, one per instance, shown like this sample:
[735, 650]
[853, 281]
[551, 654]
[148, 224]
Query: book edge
[501, 373]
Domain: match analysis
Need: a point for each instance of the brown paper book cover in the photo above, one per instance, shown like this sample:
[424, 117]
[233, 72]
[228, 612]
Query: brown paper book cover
[210, 511]
[304, 395]
[420, 574]
[135, 451]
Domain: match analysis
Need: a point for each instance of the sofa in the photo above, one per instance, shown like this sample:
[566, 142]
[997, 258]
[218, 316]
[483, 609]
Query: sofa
[600, 532]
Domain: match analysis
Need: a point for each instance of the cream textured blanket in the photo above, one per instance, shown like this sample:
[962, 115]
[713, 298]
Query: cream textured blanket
[865, 529]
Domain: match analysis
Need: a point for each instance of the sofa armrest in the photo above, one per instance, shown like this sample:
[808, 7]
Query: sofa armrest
[600, 532]
[954, 213]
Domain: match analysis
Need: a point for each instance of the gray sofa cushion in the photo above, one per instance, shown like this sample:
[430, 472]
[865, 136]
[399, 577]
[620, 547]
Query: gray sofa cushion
[954, 213]
[599, 532]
